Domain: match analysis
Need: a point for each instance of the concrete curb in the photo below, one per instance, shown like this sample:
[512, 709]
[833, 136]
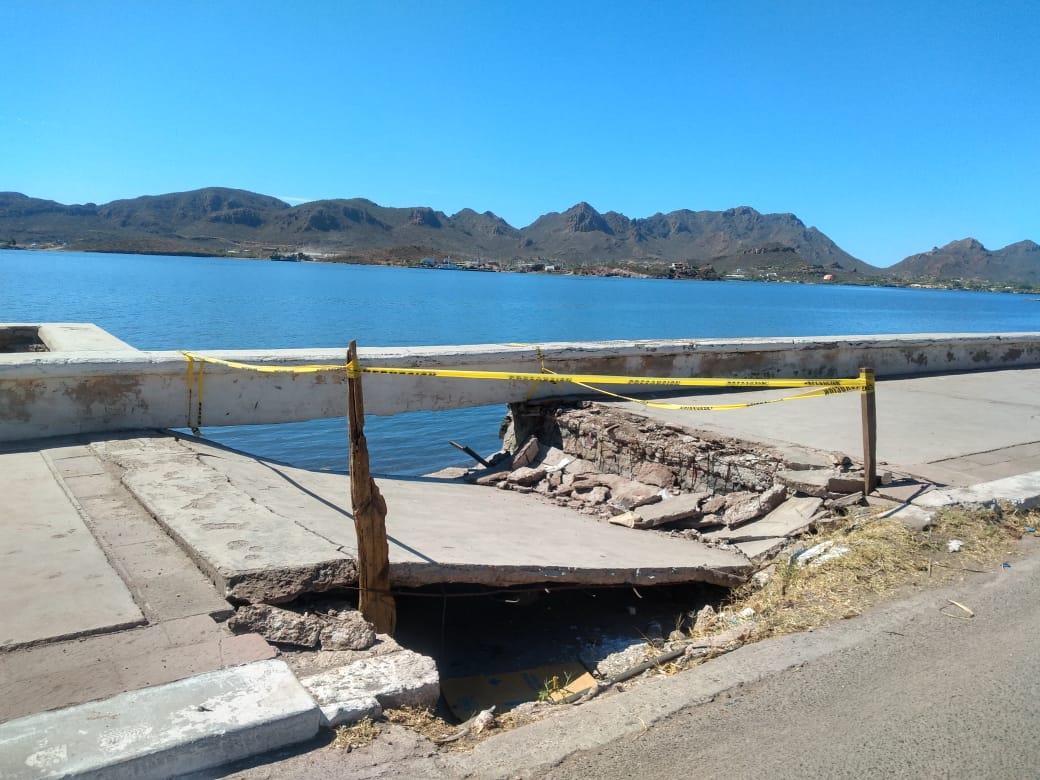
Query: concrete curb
[171, 729]
[1021, 491]
[363, 688]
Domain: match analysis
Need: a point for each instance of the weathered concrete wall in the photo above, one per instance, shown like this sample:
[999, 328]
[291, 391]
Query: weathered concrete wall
[46, 394]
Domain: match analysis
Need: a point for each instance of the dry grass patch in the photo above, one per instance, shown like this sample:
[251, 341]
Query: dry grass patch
[883, 556]
[356, 735]
[422, 721]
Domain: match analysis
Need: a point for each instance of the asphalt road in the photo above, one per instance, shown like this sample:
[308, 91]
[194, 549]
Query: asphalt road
[947, 698]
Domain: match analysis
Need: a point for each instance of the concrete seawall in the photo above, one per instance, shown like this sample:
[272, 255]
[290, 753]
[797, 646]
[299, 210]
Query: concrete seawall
[83, 389]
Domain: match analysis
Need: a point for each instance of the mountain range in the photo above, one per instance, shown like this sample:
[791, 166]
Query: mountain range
[1017, 263]
[221, 221]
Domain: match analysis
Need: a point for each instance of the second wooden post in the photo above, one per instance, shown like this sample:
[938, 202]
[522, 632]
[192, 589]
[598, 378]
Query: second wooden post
[869, 411]
[373, 560]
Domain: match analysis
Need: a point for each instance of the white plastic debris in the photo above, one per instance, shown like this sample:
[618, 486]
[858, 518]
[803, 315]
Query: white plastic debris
[820, 553]
[747, 613]
[483, 719]
[954, 545]
[559, 466]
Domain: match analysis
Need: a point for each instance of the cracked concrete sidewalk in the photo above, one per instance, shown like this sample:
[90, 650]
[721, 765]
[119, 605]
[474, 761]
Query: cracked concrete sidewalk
[268, 532]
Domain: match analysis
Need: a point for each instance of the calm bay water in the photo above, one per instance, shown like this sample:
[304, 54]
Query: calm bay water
[156, 302]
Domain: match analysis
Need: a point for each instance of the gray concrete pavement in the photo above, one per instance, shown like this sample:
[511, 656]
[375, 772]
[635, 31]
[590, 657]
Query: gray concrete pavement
[956, 429]
[82, 562]
[55, 580]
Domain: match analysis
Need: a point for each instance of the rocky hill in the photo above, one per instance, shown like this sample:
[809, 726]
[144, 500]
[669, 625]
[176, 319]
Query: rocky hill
[969, 260]
[221, 221]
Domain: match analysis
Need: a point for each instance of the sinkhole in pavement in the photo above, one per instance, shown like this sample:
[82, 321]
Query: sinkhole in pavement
[503, 647]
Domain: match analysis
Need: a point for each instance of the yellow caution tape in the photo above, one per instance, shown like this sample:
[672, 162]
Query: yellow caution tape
[815, 393]
[522, 376]
[819, 387]
[311, 368]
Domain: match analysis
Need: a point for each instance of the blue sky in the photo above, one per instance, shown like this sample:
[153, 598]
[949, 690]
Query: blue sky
[892, 127]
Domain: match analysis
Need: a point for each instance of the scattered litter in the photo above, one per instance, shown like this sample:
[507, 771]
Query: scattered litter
[957, 604]
[483, 720]
[747, 613]
[820, 553]
[1005, 565]
[468, 696]
[559, 466]
[1030, 529]
[475, 725]
[954, 545]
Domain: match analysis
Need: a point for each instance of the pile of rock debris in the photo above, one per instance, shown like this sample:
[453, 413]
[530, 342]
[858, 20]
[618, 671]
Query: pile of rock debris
[629, 471]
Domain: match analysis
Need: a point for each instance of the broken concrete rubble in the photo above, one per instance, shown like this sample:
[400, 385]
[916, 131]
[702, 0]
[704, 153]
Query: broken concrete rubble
[822, 482]
[347, 630]
[593, 494]
[627, 493]
[335, 630]
[762, 549]
[632, 495]
[281, 626]
[810, 482]
[850, 482]
[714, 505]
[745, 509]
[526, 454]
[684, 507]
[654, 474]
[526, 476]
[791, 518]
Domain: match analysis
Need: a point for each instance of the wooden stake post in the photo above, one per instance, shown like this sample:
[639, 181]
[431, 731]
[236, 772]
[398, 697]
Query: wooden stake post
[867, 402]
[373, 561]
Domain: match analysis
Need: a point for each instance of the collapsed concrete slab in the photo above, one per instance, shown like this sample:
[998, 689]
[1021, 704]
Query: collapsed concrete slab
[267, 532]
[168, 730]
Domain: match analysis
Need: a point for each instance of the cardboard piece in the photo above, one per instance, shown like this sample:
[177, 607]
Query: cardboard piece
[467, 696]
